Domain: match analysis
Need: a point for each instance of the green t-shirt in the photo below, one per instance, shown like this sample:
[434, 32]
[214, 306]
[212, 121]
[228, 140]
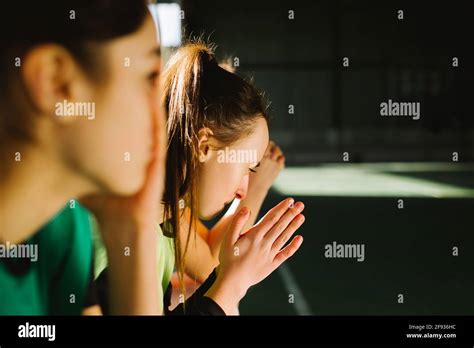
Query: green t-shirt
[164, 263]
[57, 283]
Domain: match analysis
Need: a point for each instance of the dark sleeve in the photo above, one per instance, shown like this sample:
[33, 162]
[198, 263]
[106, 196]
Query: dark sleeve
[197, 304]
[101, 285]
[91, 298]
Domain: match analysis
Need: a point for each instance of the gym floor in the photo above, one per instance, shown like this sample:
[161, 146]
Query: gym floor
[409, 251]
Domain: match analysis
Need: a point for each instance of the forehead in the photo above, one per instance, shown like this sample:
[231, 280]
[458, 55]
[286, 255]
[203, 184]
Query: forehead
[258, 139]
[139, 48]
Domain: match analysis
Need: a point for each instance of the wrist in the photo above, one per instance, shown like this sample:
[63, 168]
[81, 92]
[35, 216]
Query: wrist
[227, 294]
[132, 241]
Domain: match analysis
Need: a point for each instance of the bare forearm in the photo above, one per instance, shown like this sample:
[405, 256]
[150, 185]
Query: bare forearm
[133, 284]
[200, 261]
[216, 233]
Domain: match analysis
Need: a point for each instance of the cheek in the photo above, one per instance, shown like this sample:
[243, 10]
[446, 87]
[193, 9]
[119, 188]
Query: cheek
[230, 178]
[129, 133]
[130, 113]
[114, 147]
[218, 183]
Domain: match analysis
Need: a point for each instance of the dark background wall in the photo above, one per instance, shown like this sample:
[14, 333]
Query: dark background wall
[336, 109]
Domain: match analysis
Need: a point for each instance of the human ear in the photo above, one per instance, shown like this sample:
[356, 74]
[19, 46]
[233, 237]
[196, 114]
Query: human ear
[51, 76]
[204, 140]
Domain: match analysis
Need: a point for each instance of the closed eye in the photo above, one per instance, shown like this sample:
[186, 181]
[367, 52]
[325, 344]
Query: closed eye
[253, 168]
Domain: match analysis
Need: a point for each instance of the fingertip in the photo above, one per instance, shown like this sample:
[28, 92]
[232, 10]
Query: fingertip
[244, 211]
[295, 245]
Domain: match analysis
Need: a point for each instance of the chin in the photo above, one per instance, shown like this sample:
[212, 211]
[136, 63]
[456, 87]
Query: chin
[211, 215]
[128, 187]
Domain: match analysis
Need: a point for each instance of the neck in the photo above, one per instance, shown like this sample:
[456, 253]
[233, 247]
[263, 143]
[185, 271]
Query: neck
[35, 189]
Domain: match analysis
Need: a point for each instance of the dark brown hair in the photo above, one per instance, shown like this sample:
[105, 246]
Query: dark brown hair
[198, 93]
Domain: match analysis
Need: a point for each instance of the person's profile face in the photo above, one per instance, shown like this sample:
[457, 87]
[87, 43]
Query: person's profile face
[225, 174]
[115, 148]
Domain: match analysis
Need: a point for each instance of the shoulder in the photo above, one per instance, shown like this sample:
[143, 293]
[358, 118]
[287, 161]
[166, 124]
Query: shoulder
[70, 229]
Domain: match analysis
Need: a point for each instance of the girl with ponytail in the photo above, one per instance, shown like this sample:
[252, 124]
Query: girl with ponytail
[217, 137]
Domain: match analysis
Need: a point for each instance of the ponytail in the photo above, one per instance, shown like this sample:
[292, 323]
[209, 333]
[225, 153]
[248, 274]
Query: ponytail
[198, 93]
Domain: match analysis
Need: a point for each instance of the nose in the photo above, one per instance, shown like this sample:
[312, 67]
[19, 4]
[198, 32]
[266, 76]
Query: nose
[242, 189]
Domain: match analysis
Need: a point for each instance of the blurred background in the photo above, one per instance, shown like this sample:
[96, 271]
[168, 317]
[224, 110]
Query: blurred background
[404, 188]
